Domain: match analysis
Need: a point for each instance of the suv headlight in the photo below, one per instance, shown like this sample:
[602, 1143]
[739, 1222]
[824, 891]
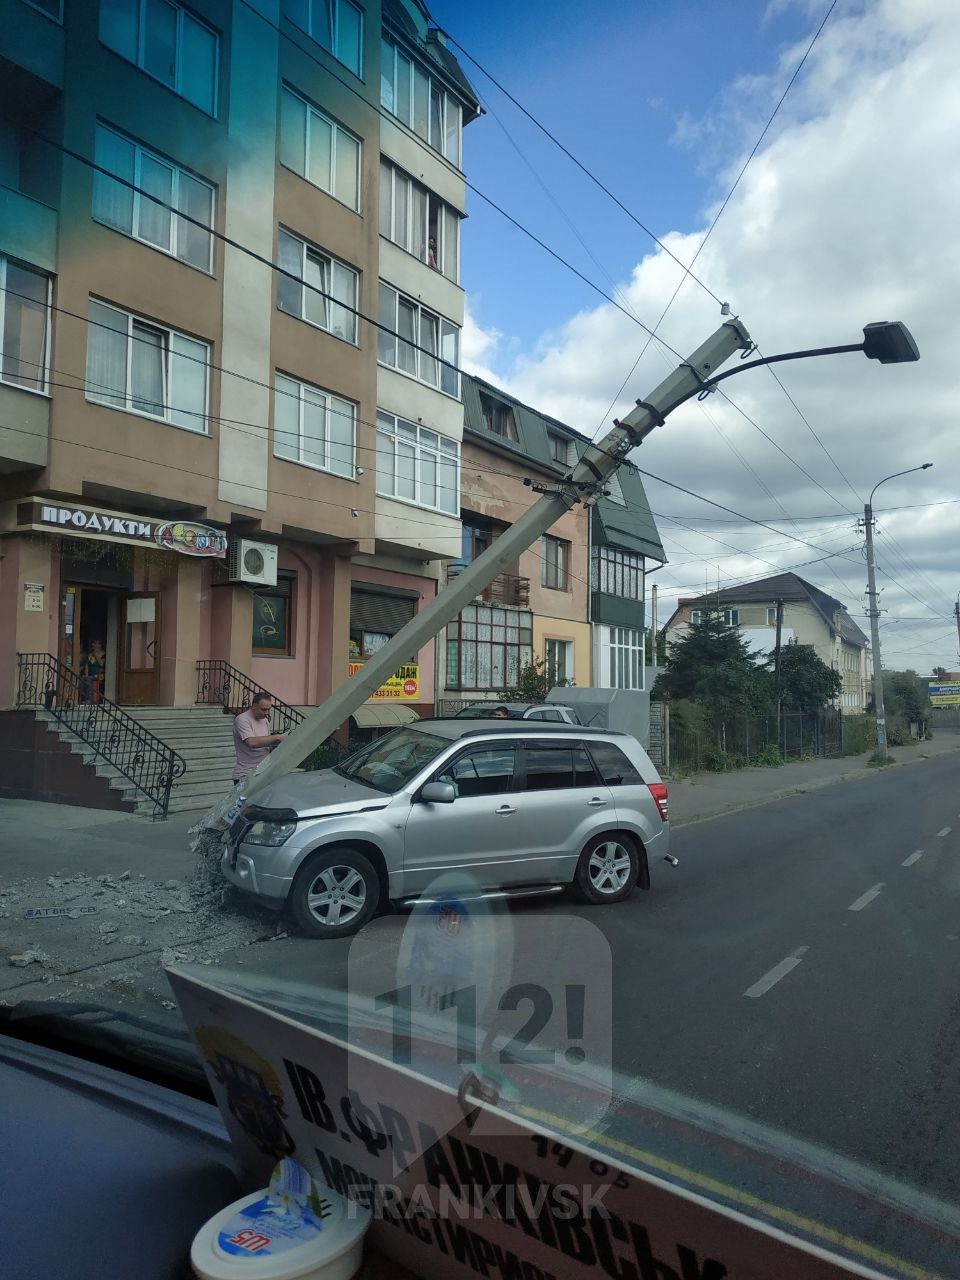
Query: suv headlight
[270, 833]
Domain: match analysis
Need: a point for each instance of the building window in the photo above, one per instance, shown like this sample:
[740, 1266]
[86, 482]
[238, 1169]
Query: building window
[558, 661]
[619, 573]
[620, 663]
[24, 325]
[487, 647]
[498, 417]
[555, 560]
[418, 342]
[475, 540]
[167, 43]
[157, 224]
[561, 449]
[771, 615]
[324, 292]
[418, 221]
[143, 367]
[273, 616]
[731, 617]
[410, 93]
[696, 616]
[417, 465]
[336, 25]
[376, 615]
[313, 427]
[313, 145]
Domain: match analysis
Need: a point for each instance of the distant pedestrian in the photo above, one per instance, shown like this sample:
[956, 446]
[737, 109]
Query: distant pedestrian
[252, 739]
[501, 713]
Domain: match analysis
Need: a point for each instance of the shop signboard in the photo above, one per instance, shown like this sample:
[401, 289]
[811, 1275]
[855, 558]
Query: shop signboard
[183, 536]
[403, 686]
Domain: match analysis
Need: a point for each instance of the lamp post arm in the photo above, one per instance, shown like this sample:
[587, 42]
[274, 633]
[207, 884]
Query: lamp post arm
[709, 383]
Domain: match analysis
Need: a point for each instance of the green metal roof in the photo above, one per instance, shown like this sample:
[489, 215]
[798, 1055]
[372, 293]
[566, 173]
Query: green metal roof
[631, 527]
[411, 21]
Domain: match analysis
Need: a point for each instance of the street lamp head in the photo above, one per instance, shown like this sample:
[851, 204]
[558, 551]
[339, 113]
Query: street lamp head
[890, 342]
[926, 466]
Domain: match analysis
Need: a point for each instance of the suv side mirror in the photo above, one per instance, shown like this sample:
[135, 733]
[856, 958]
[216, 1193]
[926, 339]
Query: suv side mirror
[438, 793]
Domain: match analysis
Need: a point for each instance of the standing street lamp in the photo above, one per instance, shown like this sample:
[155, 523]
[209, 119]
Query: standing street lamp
[875, 612]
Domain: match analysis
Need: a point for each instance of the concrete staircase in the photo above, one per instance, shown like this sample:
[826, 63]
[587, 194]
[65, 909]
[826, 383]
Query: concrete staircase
[204, 737]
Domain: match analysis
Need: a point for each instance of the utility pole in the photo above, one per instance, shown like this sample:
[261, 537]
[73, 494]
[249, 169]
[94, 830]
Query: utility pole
[653, 621]
[875, 635]
[956, 614]
[584, 482]
[776, 666]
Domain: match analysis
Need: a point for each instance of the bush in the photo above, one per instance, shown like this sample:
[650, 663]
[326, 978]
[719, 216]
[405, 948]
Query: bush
[877, 761]
[767, 757]
[719, 761]
[858, 734]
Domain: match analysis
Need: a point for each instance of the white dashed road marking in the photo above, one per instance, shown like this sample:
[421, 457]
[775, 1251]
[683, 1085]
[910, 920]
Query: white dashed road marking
[914, 857]
[866, 898]
[945, 832]
[776, 973]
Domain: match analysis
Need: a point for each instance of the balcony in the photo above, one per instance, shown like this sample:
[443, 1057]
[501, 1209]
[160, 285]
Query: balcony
[506, 588]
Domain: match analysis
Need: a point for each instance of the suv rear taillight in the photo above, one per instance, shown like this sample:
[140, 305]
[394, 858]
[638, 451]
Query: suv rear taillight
[659, 792]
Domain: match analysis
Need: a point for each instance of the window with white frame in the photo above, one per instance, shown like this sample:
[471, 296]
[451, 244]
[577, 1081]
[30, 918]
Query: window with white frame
[418, 221]
[159, 222]
[558, 661]
[731, 617]
[324, 292]
[555, 562]
[166, 42]
[498, 417]
[417, 465]
[24, 325]
[771, 615]
[417, 98]
[696, 616]
[336, 25]
[313, 427]
[418, 342]
[143, 367]
[487, 647]
[621, 659]
[323, 152]
[618, 573]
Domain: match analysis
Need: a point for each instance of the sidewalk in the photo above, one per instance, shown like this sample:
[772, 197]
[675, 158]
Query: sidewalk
[707, 795]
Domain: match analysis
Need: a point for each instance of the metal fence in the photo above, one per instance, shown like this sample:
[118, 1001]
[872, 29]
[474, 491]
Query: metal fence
[744, 741]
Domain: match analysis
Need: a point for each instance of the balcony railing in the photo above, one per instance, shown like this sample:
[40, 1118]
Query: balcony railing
[116, 737]
[221, 684]
[506, 588]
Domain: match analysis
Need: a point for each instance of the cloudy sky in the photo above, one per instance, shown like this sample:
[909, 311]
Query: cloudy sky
[847, 213]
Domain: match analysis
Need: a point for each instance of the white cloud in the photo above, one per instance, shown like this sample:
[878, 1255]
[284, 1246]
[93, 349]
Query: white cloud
[847, 214]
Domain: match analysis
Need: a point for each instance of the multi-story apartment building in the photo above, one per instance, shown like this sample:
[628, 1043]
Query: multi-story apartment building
[590, 565]
[230, 414]
[810, 617]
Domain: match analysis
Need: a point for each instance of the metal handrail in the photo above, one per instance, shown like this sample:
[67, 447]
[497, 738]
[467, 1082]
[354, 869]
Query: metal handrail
[219, 683]
[153, 767]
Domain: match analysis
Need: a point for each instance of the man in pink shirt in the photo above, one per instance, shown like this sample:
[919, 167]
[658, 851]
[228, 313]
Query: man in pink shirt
[252, 739]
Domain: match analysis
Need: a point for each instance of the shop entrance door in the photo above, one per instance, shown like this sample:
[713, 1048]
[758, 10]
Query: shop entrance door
[88, 639]
[139, 682]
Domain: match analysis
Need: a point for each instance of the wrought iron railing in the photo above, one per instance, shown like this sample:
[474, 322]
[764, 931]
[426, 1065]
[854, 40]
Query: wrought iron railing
[219, 684]
[116, 737]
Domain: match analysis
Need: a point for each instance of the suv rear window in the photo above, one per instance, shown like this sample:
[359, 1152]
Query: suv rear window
[615, 769]
[549, 768]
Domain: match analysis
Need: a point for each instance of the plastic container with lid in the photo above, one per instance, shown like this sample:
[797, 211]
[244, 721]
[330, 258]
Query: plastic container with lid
[294, 1230]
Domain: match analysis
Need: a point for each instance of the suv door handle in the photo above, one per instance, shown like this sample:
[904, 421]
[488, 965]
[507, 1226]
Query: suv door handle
[596, 802]
[505, 808]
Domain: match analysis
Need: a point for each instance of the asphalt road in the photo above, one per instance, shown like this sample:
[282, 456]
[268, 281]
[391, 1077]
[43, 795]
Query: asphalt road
[799, 968]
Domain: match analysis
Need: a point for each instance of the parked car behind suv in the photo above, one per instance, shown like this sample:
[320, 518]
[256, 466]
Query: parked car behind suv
[556, 712]
[514, 806]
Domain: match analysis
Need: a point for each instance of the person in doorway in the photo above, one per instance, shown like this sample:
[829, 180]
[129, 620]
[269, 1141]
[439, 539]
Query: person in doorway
[501, 713]
[92, 667]
[252, 739]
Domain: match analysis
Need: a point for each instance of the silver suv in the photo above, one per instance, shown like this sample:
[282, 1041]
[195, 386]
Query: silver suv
[517, 808]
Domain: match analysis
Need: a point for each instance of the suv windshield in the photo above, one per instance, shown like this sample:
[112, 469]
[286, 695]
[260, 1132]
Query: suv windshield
[391, 762]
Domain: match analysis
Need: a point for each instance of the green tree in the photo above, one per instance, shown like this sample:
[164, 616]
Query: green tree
[534, 682]
[905, 696]
[712, 664]
[806, 682]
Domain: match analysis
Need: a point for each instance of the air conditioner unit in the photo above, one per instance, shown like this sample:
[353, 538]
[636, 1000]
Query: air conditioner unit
[253, 562]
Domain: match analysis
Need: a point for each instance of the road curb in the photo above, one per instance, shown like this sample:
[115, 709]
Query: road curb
[802, 788]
